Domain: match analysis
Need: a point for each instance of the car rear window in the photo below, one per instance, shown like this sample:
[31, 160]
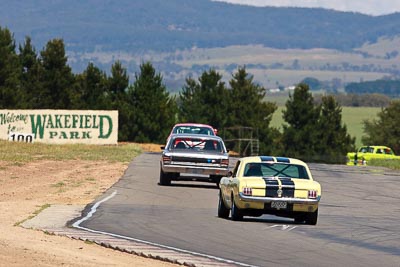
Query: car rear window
[275, 170]
[193, 130]
[196, 144]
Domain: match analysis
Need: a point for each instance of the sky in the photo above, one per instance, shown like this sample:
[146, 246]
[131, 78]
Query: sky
[370, 7]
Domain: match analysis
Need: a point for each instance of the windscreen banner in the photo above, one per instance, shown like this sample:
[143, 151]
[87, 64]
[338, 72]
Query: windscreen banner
[60, 126]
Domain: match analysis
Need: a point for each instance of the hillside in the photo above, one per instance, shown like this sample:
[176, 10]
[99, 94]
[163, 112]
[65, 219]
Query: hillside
[279, 46]
[178, 24]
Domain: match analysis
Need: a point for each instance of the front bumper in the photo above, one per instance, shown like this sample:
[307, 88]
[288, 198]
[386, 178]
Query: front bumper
[279, 199]
[195, 169]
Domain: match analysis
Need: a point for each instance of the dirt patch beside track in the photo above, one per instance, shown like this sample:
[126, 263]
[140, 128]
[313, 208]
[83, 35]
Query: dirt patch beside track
[26, 189]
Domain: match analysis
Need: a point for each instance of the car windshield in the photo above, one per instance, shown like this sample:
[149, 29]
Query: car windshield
[275, 170]
[193, 130]
[196, 144]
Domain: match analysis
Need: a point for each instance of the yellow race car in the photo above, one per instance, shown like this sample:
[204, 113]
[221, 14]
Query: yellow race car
[366, 153]
[270, 185]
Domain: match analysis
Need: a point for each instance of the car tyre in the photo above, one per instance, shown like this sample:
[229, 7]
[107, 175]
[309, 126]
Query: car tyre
[165, 179]
[236, 215]
[299, 219]
[312, 218]
[223, 211]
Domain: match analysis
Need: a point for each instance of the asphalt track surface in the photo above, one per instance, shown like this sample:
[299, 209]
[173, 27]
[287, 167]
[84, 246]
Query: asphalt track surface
[358, 224]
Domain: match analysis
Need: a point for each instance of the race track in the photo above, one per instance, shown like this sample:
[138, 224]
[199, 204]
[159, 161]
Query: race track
[358, 225]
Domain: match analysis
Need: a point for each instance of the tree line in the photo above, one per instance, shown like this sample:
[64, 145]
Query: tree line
[390, 88]
[31, 80]
[358, 100]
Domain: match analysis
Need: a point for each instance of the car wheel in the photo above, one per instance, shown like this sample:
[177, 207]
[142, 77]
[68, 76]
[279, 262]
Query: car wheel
[223, 211]
[164, 178]
[236, 215]
[312, 217]
[299, 219]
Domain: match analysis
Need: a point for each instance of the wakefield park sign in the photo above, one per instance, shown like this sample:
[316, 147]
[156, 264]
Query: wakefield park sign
[60, 126]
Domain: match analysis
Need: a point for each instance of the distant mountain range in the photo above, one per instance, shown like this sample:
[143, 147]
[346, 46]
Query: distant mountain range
[185, 37]
[168, 25]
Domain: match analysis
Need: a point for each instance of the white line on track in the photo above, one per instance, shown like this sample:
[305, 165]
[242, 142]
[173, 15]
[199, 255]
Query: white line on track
[97, 204]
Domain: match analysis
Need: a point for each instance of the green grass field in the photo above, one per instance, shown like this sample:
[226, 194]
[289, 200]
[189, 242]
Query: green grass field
[26, 152]
[352, 117]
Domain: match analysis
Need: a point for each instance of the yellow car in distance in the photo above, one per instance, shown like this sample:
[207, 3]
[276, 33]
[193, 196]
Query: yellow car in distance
[270, 185]
[366, 153]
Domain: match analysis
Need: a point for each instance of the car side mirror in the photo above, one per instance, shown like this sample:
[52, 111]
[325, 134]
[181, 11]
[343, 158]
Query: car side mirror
[230, 174]
[162, 147]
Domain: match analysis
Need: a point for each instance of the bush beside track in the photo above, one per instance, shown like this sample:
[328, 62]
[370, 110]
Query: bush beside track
[392, 164]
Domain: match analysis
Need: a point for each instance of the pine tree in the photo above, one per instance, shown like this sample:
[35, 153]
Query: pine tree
[213, 95]
[10, 89]
[32, 70]
[386, 129]
[118, 84]
[153, 109]
[300, 135]
[190, 106]
[204, 101]
[58, 79]
[119, 80]
[92, 88]
[248, 108]
[333, 141]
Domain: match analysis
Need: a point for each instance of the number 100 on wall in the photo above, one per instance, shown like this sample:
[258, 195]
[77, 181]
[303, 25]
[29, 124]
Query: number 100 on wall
[21, 137]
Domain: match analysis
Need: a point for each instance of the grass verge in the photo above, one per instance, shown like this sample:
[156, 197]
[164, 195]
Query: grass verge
[392, 164]
[43, 207]
[26, 152]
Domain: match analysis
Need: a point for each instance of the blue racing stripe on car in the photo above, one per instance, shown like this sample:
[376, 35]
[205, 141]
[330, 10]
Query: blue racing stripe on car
[267, 158]
[271, 187]
[282, 159]
[288, 187]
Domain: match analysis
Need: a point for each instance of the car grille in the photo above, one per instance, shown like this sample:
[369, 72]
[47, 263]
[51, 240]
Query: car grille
[196, 160]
